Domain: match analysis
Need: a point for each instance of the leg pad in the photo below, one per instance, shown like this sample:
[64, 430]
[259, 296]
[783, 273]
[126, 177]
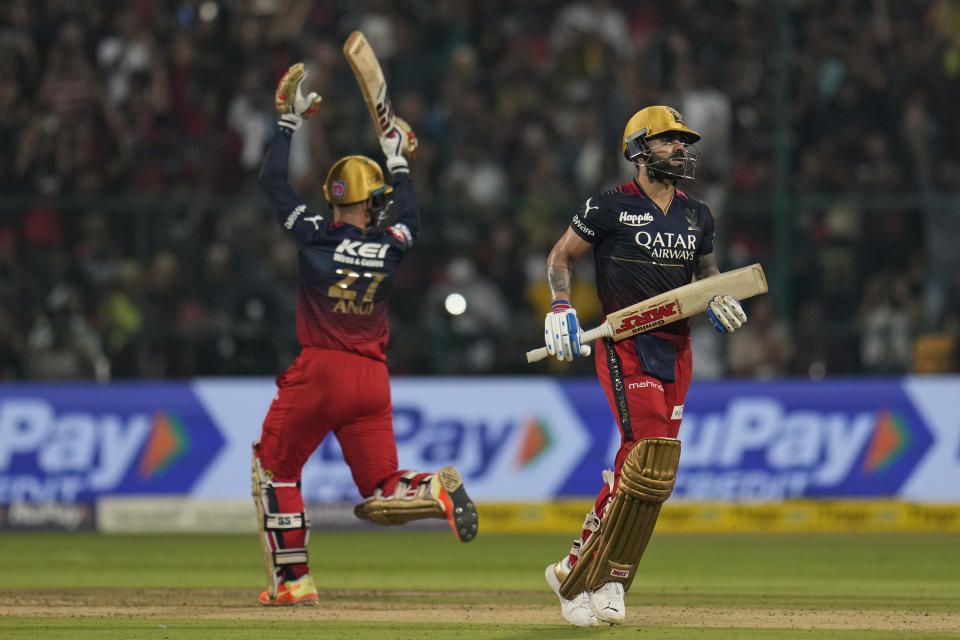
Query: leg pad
[407, 502]
[612, 553]
[272, 524]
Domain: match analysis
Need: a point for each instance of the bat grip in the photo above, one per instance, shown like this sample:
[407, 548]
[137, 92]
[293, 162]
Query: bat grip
[603, 331]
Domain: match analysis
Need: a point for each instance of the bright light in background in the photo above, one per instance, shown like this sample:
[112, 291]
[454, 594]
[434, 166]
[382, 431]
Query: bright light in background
[208, 11]
[455, 304]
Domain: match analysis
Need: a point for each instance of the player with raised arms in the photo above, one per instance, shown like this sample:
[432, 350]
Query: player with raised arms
[339, 383]
[648, 237]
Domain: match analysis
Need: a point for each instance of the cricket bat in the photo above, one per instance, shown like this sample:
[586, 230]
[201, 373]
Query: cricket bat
[673, 305]
[369, 75]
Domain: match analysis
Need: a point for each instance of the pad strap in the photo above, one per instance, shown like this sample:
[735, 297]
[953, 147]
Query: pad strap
[290, 556]
[284, 521]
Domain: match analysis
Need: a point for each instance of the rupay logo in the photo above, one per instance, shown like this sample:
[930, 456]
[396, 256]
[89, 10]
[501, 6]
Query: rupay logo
[758, 448]
[51, 456]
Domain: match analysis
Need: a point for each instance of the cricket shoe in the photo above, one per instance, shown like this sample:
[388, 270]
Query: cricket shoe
[576, 611]
[607, 603]
[291, 592]
[447, 487]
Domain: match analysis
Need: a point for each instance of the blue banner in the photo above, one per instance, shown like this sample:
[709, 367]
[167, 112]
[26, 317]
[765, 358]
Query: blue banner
[522, 439]
[790, 440]
[73, 443]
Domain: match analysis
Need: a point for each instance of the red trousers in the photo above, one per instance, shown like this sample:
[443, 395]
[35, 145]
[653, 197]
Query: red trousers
[644, 406]
[322, 391]
[326, 390]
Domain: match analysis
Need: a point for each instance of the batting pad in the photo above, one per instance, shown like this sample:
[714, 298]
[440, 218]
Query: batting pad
[612, 554]
[272, 524]
[403, 505]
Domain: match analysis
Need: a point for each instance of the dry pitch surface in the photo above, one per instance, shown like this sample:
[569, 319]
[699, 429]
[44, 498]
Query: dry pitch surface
[469, 607]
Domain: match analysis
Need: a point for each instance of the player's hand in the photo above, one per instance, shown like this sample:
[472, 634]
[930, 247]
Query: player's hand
[726, 314]
[561, 332]
[397, 141]
[291, 104]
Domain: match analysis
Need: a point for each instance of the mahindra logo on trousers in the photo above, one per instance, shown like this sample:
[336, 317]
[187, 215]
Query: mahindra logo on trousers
[636, 219]
[655, 317]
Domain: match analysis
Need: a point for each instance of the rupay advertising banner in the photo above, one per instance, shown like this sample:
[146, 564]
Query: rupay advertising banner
[513, 439]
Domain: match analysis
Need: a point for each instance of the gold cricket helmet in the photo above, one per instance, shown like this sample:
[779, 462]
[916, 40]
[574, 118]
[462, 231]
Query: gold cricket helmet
[654, 121]
[354, 179]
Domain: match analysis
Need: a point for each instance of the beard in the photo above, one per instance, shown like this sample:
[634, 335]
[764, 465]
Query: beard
[663, 165]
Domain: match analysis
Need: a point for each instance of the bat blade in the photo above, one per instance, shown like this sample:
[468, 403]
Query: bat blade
[686, 301]
[673, 305]
[363, 61]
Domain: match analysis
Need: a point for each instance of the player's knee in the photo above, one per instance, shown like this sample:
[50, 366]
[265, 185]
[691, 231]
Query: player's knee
[650, 424]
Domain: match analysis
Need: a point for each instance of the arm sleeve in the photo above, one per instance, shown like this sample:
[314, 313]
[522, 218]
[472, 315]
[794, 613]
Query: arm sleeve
[705, 246]
[290, 208]
[407, 227]
[590, 221]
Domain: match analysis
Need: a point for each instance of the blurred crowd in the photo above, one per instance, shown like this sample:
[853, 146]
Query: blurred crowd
[134, 242]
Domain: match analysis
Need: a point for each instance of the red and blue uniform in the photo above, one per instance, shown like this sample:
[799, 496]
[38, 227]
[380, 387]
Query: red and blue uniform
[641, 251]
[339, 383]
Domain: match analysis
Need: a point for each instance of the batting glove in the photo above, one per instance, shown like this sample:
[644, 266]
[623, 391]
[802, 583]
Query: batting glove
[397, 141]
[291, 104]
[726, 314]
[561, 332]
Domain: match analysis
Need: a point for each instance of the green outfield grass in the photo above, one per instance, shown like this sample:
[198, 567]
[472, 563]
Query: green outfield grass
[207, 586]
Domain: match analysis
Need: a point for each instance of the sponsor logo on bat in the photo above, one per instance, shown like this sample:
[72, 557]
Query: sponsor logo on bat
[384, 109]
[643, 320]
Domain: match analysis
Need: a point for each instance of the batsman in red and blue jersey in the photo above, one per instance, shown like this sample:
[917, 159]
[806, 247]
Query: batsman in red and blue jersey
[339, 383]
[647, 237]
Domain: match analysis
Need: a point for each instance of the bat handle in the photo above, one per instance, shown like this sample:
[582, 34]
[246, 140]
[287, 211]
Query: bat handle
[603, 331]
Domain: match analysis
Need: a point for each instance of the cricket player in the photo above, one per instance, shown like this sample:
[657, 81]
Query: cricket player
[647, 237]
[349, 256]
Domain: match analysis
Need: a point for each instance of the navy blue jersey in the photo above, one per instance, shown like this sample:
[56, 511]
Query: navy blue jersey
[346, 273]
[639, 250]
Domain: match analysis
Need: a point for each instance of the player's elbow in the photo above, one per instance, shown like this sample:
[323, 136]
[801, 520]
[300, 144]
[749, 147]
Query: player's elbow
[267, 179]
[558, 257]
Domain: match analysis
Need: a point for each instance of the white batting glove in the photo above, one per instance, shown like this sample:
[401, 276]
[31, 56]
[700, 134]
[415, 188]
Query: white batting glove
[397, 141]
[290, 102]
[726, 314]
[561, 332]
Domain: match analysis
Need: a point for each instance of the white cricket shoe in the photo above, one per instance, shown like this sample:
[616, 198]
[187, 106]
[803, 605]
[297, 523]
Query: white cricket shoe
[607, 604]
[575, 611]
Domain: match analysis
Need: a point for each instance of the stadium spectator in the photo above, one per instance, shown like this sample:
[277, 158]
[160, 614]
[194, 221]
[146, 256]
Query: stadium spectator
[130, 135]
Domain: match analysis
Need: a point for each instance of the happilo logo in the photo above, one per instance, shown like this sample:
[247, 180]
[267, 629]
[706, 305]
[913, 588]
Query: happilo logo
[636, 219]
[362, 254]
[639, 321]
[761, 449]
[50, 456]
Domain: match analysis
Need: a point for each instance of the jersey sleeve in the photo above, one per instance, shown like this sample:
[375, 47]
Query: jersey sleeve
[407, 226]
[305, 225]
[708, 230]
[591, 220]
